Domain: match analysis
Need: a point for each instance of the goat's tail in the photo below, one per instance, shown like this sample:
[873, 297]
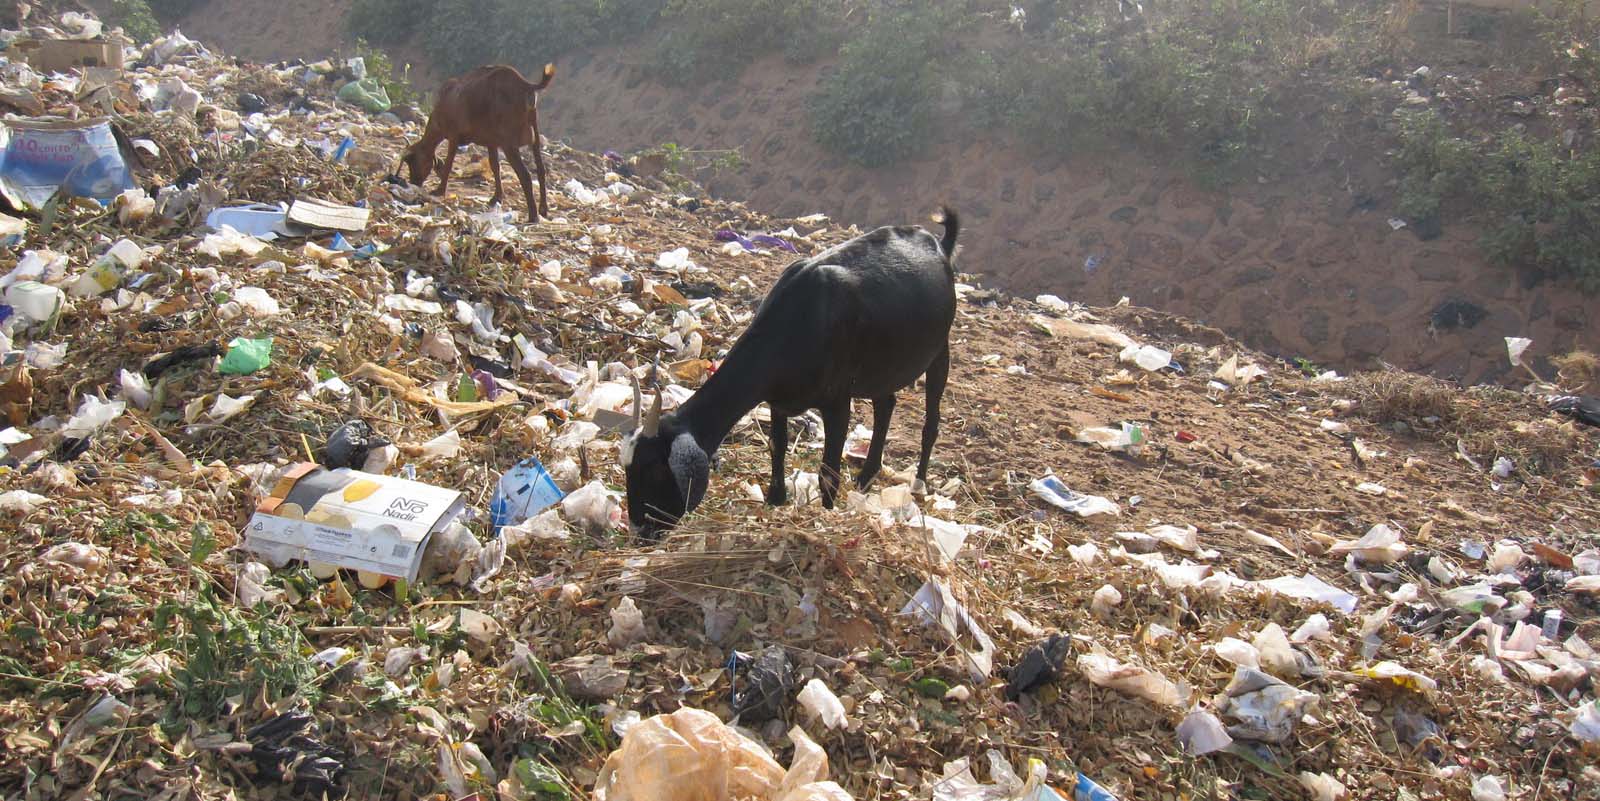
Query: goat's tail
[947, 217]
[549, 72]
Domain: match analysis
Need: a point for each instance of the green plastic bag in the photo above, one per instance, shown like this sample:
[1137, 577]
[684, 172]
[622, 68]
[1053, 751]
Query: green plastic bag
[246, 356]
[367, 93]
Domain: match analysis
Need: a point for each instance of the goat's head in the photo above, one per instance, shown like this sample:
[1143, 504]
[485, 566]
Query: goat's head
[667, 470]
[420, 163]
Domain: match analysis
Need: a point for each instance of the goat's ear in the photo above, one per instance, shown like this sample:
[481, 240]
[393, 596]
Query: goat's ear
[691, 467]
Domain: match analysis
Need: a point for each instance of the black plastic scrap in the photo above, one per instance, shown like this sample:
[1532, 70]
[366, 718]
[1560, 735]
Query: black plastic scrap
[1039, 665]
[769, 681]
[350, 444]
[1583, 408]
[283, 748]
[183, 355]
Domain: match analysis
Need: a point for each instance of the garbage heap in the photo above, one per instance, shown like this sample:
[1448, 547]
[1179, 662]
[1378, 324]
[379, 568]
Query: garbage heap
[1150, 563]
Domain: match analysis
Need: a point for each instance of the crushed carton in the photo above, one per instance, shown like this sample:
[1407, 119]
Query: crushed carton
[63, 55]
[350, 519]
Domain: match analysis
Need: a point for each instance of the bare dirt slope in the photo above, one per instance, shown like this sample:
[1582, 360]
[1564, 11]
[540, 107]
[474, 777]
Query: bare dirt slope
[1294, 264]
[143, 650]
[1300, 262]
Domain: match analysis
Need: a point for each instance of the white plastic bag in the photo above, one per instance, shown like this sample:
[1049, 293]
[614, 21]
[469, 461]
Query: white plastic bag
[627, 624]
[1131, 680]
[1202, 733]
[593, 506]
[822, 705]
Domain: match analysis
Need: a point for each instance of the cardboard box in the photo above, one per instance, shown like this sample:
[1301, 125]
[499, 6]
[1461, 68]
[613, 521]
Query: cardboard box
[64, 55]
[350, 519]
[322, 215]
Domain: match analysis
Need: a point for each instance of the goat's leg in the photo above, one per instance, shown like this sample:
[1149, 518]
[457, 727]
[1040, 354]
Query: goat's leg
[449, 164]
[778, 490]
[835, 422]
[538, 163]
[494, 165]
[520, 167]
[938, 374]
[882, 409]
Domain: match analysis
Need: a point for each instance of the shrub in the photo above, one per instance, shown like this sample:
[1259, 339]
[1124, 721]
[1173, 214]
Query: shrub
[1539, 206]
[877, 107]
[381, 67]
[707, 38]
[135, 18]
[386, 22]
[170, 10]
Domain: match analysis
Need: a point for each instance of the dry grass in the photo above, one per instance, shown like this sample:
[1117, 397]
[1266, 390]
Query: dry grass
[1487, 422]
[1578, 371]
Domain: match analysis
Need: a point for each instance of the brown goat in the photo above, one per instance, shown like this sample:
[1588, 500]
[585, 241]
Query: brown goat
[491, 106]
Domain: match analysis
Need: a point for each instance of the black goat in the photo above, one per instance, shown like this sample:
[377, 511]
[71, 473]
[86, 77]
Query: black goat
[859, 320]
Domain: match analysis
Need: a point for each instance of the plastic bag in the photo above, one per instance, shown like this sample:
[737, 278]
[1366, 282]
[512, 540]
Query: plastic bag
[1315, 628]
[1380, 546]
[934, 604]
[1311, 588]
[1105, 599]
[1277, 656]
[367, 93]
[444, 446]
[627, 624]
[689, 755]
[135, 388]
[1149, 358]
[93, 414]
[1202, 733]
[1131, 680]
[1265, 707]
[246, 356]
[821, 703]
[1052, 491]
[1237, 652]
[257, 300]
[1586, 726]
[593, 506]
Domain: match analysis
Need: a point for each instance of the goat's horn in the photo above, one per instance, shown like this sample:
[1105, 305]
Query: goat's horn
[638, 402]
[652, 422]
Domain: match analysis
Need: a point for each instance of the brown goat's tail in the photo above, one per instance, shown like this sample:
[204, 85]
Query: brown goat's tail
[947, 217]
[549, 72]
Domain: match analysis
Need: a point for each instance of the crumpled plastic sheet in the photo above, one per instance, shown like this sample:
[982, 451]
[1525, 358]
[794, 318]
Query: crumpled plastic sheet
[689, 755]
[935, 605]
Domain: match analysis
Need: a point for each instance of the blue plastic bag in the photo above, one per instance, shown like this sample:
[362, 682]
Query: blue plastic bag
[524, 491]
[80, 159]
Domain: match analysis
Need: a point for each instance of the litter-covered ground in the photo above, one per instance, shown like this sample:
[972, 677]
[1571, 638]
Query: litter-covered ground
[1149, 564]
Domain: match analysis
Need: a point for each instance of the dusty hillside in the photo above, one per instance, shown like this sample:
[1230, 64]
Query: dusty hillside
[1411, 537]
[1300, 261]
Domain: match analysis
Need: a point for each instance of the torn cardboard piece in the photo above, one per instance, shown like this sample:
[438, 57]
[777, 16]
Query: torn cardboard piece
[325, 216]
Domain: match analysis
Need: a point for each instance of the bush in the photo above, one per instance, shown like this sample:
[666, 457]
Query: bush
[170, 10]
[135, 19]
[381, 67]
[1433, 164]
[1539, 207]
[386, 22]
[461, 34]
[713, 37]
[877, 108]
